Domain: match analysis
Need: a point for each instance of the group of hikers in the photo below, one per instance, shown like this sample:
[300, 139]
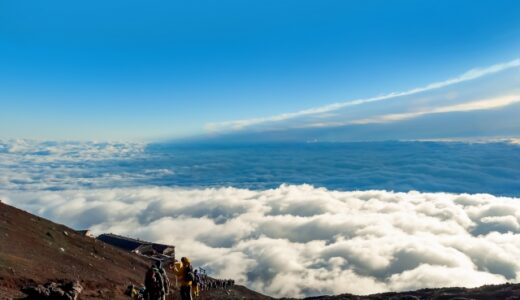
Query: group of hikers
[191, 282]
[216, 283]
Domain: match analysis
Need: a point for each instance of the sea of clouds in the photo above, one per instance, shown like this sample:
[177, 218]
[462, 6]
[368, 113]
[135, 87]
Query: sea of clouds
[49, 165]
[301, 240]
[291, 240]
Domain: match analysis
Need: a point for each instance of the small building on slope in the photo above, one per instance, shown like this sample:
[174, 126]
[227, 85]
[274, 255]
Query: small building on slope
[151, 250]
[86, 233]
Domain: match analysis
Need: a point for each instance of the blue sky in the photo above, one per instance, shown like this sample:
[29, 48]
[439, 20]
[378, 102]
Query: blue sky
[160, 69]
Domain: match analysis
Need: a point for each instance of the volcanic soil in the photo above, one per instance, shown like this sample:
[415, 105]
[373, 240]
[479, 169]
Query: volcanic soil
[34, 250]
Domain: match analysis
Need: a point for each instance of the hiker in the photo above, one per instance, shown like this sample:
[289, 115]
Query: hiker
[165, 279]
[134, 292]
[184, 273]
[202, 282]
[196, 283]
[154, 284]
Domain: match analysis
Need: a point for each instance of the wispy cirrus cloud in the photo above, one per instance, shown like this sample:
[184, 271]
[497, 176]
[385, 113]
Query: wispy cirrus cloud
[470, 75]
[484, 104]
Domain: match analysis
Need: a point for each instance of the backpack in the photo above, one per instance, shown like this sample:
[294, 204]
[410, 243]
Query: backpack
[196, 278]
[166, 280]
[153, 280]
[188, 273]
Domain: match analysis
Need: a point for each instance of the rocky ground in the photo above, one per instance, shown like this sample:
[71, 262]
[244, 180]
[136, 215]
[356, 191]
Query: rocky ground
[35, 251]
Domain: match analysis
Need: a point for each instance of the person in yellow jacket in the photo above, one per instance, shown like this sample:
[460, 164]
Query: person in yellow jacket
[184, 273]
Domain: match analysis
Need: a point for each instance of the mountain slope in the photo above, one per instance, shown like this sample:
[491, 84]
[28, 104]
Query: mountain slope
[35, 250]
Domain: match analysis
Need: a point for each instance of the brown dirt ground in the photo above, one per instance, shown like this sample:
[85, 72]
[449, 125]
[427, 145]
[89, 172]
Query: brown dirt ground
[30, 252]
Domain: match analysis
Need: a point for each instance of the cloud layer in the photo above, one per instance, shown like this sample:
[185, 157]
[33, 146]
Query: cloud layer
[310, 117]
[50, 165]
[480, 103]
[299, 240]
[291, 239]
[457, 167]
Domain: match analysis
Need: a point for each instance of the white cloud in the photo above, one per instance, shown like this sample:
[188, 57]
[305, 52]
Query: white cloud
[326, 109]
[293, 240]
[440, 276]
[31, 164]
[45, 151]
[300, 240]
[492, 103]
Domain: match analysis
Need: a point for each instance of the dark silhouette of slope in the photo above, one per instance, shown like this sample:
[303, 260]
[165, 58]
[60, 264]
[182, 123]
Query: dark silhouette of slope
[488, 292]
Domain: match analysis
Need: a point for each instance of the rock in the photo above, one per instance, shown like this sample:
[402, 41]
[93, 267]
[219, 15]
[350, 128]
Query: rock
[54, 291]
[75, 290]
[65, 233]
